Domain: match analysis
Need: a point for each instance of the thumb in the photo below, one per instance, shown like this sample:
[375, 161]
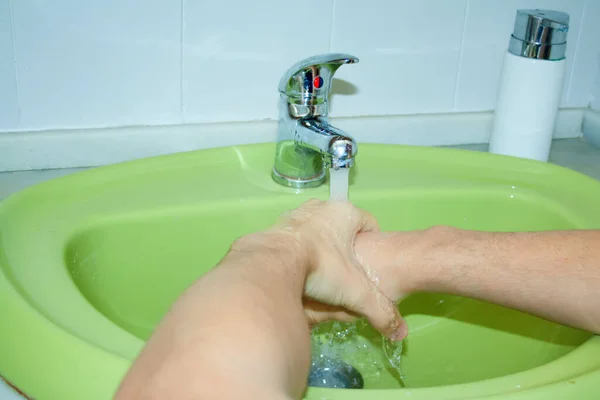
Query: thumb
[381, 312]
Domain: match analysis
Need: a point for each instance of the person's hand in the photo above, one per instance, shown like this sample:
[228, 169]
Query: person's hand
[337, 285]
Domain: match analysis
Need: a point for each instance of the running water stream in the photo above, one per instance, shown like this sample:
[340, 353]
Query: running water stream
[338, 183]
[337, 343]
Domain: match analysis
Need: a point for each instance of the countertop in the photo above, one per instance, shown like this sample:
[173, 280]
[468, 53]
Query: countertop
[575, 154]
[571, 153]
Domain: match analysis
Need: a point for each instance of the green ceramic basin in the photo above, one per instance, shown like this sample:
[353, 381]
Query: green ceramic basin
[89, 264]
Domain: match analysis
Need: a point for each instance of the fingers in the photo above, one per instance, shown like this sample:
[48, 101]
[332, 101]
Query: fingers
[395, 327]
[318, 312]
[368, 223]
[383, 314]
[343, 212]
[380, 311]
[362, 220]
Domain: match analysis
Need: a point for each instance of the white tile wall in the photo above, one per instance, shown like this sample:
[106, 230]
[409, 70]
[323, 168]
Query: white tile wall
[587, 56]
[96, 63]
[590, 69]
[9, 110]
[595, 104]
[234, 54]
[409, 53]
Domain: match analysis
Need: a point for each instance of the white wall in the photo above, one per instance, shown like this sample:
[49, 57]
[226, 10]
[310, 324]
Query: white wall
[95, 63]
[595, 104]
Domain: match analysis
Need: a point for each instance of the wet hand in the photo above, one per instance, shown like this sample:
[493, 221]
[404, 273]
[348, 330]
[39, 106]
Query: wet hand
[338, 286]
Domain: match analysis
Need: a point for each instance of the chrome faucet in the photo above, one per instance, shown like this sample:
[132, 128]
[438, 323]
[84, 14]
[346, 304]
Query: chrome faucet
[306, 143]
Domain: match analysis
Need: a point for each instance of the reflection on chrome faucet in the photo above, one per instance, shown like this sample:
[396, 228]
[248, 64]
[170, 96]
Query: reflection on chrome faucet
[306, 143]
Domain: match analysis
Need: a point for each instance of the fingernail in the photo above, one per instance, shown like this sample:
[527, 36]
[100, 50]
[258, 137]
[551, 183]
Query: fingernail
[400, 333]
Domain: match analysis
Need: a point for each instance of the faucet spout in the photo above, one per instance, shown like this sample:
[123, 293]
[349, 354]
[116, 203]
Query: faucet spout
[336, 147]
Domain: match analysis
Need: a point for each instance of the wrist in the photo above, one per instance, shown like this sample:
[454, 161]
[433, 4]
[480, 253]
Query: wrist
[437, 257]
[411, 261]
[280, 253]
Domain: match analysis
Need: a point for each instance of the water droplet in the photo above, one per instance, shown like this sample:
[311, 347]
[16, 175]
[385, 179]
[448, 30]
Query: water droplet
[376, 280]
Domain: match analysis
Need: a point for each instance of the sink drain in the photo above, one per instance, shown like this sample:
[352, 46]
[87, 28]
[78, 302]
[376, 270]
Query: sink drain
[331, 373]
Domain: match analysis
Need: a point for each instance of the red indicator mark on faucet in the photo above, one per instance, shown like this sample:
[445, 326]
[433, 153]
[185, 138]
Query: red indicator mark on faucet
[318, 82]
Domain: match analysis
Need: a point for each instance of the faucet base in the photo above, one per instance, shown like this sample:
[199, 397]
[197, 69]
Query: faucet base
[298, 166]
[298, 183]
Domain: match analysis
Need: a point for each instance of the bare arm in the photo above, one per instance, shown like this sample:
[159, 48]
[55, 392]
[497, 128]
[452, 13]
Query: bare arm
[241, 331]
[238, 332]
[554, 274]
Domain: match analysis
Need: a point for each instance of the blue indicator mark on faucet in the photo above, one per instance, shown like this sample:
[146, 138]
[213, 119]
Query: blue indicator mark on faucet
[318, 82]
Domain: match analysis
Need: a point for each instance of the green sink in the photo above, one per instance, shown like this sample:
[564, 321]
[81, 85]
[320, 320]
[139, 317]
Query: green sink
[89, 264]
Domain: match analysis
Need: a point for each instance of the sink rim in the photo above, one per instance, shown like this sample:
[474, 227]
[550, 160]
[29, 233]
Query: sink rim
[36, 337]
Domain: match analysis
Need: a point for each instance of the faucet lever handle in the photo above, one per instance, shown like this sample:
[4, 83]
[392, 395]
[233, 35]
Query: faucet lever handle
[308, 81]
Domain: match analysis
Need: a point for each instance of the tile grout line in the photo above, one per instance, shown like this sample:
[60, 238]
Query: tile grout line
[14, 60]
[460, 56]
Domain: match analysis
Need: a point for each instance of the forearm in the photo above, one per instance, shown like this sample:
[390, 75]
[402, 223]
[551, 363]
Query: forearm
[249, 308]
[555, 274]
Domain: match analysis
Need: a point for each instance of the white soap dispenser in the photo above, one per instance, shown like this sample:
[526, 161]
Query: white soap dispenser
[531, 85]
